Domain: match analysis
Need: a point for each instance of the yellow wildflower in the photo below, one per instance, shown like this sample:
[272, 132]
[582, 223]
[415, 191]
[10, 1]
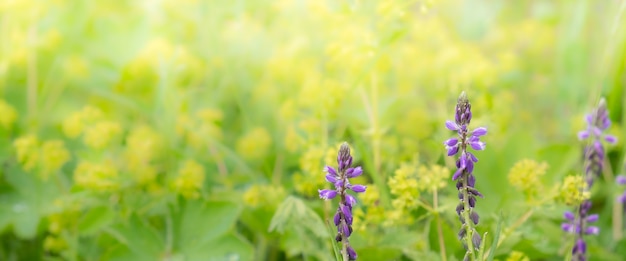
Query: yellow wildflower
[8, 115]
[142, 146]
[101, 134]
[96, 176]
[74, 125]
[53, 156]
[517, 256]
[255, 144]
[263, 195]
[433, 178]
[526, 175]
[404, 186]
[311, 177]
[574, 190]
[27, 149]
[190, 179]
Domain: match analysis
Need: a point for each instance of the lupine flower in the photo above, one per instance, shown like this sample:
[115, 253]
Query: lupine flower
[464, 174]
[578, 223]
[340, 179]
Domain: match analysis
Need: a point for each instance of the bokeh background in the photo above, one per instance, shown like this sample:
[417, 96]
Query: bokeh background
[198, 130]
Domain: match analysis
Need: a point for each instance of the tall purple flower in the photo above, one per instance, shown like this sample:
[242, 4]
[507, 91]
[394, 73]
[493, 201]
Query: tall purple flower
[465, 179]
[578, 223]
[340, 179]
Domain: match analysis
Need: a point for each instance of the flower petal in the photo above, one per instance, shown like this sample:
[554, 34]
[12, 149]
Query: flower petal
[610, 139]
[330, 170]
[569, 215]
[355, 172]
[358, 188]
[452, 126]
[327, 194]
[479, 132]
[451, 142]
[583, 135]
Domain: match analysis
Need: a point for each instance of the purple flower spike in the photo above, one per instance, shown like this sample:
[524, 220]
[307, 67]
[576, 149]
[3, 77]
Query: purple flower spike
[464, 177]
[577, 223]
[339, 178]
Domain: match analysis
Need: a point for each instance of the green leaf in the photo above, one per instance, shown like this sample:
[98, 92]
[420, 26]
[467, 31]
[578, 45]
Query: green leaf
[293, 211]
[496, 237]
[199, 222]
[227, 247]
[140, 237]
[96, 219]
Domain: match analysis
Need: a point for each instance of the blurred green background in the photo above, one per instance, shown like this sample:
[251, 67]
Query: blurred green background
[198, 130]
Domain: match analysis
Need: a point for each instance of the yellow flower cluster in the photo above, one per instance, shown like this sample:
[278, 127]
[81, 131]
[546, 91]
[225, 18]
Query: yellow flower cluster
[404, 187]
[53, 156]
[8, 115]
[372, 211]
[99, 177]
[101, 134]
[574, 190]
[432, 178]
[59, 223]
[526, 175]
[203, 127]
[190, 180]
[263, 195]
[311, 175]
[255, 144]
[97, 132]
[517, 256]
[49, 157]
[74, 125]
[27, 149]
[143, 145]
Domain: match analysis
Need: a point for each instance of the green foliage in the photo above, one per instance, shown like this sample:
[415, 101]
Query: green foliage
[198, 130]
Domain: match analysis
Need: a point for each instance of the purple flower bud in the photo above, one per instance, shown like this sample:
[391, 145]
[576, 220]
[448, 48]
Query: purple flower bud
[621, 180]
[330, 170]
[567, 227]
[479, 132]
[451, 142]
[453, 150]
[451, 126]
[474, 217]
[337, 218]
[358, 188]
[327, 194]
[478, 145]
[583, 135]
[610, 139]
[355, 172]
[580, 247]
[351, 253]
[350, 200]
[592, 230]
[331, 178]
[457, 175]
[592, 218]
[476, 240]
[569, 215]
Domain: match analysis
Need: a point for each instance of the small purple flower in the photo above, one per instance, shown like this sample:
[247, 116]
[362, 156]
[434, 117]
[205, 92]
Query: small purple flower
[621, 180]
[578, 223]
[339, 178]
[464, 177]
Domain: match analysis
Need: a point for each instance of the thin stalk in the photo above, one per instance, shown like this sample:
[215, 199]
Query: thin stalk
[442, 246]
[469, 231]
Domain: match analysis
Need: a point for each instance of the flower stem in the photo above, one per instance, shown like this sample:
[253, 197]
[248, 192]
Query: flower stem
[468, 222]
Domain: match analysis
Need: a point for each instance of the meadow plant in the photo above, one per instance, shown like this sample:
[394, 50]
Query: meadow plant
[465, 180]
[578, 223]
[621, 180]
[340, 179]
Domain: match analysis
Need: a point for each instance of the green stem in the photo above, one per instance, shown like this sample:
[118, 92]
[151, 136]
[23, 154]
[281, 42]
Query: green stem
[469, 225]
[442, 245]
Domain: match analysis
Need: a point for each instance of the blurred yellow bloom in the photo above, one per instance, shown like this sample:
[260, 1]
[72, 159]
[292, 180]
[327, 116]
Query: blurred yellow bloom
[53, 156]
[74, 125]
[574, 190]
[311, 177]
[54, 244]
[27, 149]
[526, 175]
[404, 186]
[101, 134]
[370, 198]
[190, 179]
[8, 115]
[255, 144]
[517, 256]
[433, 178]
[143, 144]
[99, 177]
[263, 195]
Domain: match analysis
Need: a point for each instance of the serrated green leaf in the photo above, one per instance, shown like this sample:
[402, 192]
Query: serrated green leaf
[200, 222]
[95, 219]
